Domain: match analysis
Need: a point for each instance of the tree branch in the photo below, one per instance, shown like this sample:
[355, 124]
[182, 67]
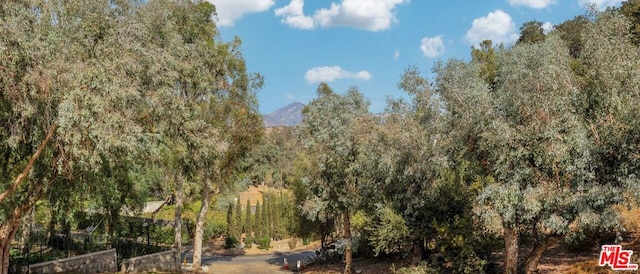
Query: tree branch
[33, 159]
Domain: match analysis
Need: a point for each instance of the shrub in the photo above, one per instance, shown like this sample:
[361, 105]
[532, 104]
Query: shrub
[213, 231]
[293, 242]
[230, 242]
[248, 241]
[263, 242]
[418, 269]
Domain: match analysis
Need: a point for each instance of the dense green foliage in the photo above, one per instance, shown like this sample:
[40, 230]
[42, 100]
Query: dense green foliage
[106, 104]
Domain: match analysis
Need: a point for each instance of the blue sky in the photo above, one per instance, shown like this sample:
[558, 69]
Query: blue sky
[296, 44]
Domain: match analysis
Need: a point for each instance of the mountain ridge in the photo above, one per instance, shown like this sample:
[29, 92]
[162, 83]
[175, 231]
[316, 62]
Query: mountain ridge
[287, 116]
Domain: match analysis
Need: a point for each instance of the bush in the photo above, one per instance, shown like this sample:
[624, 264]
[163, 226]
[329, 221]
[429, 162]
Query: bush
[213, 231]
[263, 242]
[230, 242]
[305, 241]
[326, 257]
[418, 269]
[293, 242]
[387, 232]
[248, 241]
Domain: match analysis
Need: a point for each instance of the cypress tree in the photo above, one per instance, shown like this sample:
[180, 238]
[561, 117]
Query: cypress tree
[248, 224]
[266, 228]
[257, 222]
[238, 220]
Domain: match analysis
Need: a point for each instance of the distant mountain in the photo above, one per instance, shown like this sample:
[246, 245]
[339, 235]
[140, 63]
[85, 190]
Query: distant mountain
[288, 116]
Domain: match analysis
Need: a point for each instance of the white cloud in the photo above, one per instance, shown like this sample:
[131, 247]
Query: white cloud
[497, 26]
[290, 96]
[396, 55]
[294, 16]
[231, 10]
[534, 4]
[371, 15]
[329, 74]
[600, 4]
[547, 27]
[432, 47]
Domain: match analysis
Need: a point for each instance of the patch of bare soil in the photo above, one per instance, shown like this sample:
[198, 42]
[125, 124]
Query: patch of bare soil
[369, 266]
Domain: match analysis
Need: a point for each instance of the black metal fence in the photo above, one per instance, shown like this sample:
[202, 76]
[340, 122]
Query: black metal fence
[134, 237]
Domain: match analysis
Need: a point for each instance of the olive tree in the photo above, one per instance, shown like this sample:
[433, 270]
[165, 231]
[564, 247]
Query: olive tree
[329, 135]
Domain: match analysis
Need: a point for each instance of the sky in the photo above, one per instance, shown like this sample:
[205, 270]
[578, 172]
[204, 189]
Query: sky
[368, 44]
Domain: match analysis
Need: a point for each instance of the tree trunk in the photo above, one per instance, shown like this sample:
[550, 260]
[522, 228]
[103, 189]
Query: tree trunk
[418, 250]
[27, 225]
[536, 254]
[9, 227]
[197, 241]
[177, 228]
[7, 232]
[511, 236]
[32, 160]
[347, 236]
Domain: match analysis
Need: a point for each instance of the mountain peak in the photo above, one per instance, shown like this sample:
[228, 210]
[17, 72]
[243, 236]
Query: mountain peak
[288, 116]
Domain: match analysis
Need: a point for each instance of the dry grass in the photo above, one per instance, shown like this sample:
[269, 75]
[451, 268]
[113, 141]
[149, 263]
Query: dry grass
[590, 267]
[254, 194]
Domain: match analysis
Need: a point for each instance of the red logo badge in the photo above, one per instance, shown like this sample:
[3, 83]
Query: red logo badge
[616, 258]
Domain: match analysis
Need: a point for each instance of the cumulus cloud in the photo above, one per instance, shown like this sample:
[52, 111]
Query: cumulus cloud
[600, 4]
[231, 10]
[432, 47]
[293, 15]
[547, 27]
[329, 74]
[371, 15]
[497, 26]
[534, 4]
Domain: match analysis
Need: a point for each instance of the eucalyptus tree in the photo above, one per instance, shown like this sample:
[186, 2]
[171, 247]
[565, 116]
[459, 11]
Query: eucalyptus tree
[71, 94]
[542, 153]
[631, 9]
[90, 84]
[609, 101]
[537, 150]
[415, 168]
[206, 109]
[328, 134]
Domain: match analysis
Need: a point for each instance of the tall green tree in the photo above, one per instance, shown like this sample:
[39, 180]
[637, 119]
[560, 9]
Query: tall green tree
[485, 55]
[248, 221]
[531, 32]
[631, 9]
[257, 221]
[71, 97]
[328, 134]
[571, 32]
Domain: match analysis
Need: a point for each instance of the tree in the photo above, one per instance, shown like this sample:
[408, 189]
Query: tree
[631, 9]
[571, 32]
[238, 215]
[541, 155]
[265, 221]
[248, 221]
[531, 32]
[68, 103]
[328, 134]
[609, 99]
[486, 57]
[257, 221]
